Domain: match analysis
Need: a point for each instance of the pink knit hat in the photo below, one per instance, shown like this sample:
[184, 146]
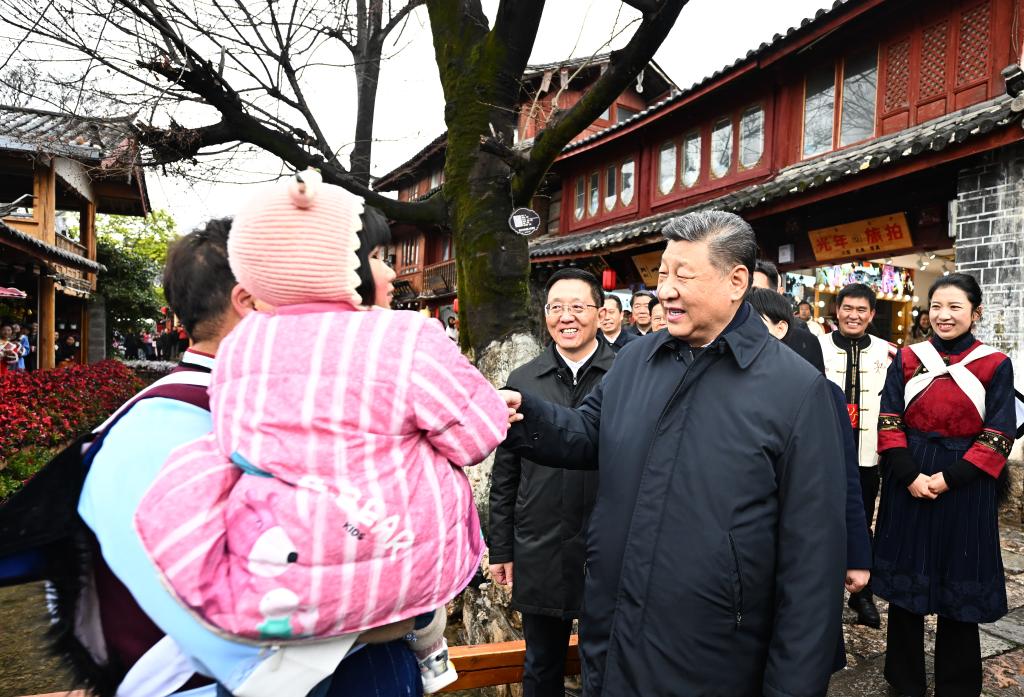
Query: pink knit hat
[296, 243]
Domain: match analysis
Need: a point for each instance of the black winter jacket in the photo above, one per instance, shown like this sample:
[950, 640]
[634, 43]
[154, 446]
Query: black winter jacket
[716, 550]
[538, 514]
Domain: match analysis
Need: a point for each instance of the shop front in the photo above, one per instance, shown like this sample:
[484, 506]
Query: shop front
[880, 253]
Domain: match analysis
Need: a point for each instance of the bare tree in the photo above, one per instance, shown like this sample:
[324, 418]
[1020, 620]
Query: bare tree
[246, 66]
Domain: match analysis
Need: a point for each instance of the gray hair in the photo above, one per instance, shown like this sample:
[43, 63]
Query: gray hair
[730, 238]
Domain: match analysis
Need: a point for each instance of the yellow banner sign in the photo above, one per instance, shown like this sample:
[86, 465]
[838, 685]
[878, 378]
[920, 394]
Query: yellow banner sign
[647, 265]
[862, 237]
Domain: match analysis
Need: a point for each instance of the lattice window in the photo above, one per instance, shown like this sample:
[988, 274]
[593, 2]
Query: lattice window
[975, 35]
[897, 75]
[933, 60]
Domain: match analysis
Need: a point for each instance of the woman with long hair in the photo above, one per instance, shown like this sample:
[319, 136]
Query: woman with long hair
[946, 426]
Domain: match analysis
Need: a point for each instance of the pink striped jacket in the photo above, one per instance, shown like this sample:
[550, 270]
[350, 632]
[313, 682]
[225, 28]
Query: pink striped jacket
[329, 497]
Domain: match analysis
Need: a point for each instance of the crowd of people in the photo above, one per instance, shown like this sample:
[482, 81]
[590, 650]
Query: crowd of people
[168, 342]
[18, 347]
[697, 485]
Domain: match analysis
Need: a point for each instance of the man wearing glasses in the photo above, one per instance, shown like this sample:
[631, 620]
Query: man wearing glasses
[538, 514]
[857, 362]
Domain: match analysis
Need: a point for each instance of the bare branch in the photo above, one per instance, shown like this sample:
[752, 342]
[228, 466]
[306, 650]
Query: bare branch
[623, 66]
[645, 6]
[513, 159]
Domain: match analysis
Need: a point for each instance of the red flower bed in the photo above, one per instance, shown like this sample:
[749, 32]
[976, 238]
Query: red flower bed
[49, 408]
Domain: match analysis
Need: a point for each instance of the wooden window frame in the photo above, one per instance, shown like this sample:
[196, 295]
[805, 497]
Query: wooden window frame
[839, 74]
[740, 167]
[676, 163]
[619, 209]
[706, 181]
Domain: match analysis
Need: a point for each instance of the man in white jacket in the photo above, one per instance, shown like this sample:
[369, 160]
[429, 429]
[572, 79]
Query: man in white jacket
[857, 362]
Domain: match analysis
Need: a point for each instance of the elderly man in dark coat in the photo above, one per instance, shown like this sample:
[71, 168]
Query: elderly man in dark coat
[538, 514]
[716, 550]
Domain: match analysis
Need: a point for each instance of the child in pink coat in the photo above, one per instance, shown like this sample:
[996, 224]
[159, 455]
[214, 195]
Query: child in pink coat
[330, 497]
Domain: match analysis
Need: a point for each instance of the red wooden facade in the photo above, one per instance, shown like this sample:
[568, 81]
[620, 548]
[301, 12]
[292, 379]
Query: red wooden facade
[925, 59]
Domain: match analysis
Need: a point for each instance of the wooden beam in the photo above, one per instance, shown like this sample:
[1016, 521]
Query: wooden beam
[87, 229]
[47, 322]
[45, 206]
[75, 175]
[486, 665]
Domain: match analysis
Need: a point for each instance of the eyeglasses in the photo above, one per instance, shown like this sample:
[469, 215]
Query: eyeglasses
[574, 309]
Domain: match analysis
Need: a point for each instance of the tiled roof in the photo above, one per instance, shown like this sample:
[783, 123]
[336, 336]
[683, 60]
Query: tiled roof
[596, 59]
[751, 55]
[390, 181]
[74, 136]
[933, 135]
[50, 252]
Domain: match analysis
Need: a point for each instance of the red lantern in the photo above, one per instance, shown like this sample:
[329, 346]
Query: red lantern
[455, 305]
[608, 279]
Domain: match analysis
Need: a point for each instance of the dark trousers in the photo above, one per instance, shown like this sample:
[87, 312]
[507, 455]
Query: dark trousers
[547, 643]
[870, 480]
[957, 656]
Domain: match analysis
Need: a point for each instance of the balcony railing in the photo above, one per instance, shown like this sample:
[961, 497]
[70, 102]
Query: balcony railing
[439, 279]
[69, 245]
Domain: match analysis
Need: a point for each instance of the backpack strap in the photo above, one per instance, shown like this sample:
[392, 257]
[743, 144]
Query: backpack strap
[163, 388]
[935, 367]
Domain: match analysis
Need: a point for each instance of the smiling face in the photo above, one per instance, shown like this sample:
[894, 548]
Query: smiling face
[951, 313]
[574, 334]
[658, 318]
[641, 311]
[854, 316]
[611, 323]
[699, 298]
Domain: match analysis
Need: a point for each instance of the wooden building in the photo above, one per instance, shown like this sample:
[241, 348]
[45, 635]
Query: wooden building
[879, 140]
[56, 173]
[424, 258]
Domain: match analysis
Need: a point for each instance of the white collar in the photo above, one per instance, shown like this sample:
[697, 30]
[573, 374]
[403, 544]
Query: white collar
[575, 366]
[202, 360]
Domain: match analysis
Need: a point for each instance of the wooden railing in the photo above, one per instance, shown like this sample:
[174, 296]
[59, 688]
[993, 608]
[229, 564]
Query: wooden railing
[439, 278]
[486, 665]
[69, 245]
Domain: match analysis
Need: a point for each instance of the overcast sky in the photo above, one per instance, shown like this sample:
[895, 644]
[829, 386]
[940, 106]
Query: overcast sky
[709, 35]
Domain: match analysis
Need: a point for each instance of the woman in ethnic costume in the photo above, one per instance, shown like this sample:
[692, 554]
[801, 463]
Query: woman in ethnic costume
[946, 426]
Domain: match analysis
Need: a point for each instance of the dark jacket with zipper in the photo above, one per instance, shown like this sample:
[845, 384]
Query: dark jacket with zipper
[717, 546]
[538, 514]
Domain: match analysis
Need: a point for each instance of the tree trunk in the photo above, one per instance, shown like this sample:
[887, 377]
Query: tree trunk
[367, 69]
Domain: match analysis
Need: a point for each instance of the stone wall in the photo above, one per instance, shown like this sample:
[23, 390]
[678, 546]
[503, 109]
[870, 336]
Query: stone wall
[989, 245]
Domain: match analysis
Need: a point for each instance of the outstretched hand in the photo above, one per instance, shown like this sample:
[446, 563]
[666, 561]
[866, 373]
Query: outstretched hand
[513, 400]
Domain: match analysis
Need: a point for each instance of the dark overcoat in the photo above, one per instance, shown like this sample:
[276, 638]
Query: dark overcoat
[538, 514]
[716, 551]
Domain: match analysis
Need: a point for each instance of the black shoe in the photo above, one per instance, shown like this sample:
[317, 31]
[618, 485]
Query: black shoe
[867, 613]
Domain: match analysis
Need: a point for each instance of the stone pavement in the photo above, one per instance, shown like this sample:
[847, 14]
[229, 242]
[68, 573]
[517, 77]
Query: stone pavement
[1002, 643]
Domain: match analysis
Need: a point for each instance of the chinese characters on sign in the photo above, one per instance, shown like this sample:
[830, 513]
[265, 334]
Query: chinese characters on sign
[862, 237]
[648, 265]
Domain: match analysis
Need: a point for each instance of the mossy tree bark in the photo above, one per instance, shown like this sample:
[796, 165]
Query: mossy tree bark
[480, 69]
